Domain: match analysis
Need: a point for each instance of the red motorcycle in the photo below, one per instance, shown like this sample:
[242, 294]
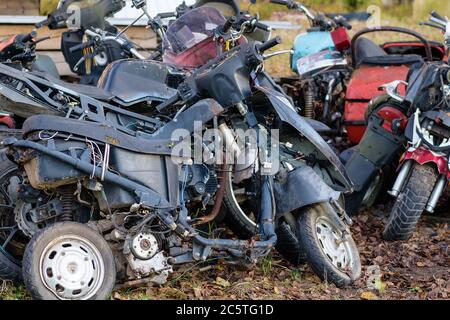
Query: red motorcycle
[376, 122]
[424, 168]
[375, 66]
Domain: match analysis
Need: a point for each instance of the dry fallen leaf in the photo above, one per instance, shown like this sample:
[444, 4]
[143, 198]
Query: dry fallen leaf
[117, 296]
[222, 282]
[420, 264]
[367, 295]
[198, 292]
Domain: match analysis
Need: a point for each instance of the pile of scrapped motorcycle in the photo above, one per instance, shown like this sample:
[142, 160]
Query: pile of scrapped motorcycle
[142, 165]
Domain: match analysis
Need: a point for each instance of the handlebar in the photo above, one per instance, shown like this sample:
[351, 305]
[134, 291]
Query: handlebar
[262, 26]
[432, 25]
[228, 25]
[29, 37]
[436, 15]
[42, 24]
[341, 21]
[165, 15]
[269, 44]
[82, 46]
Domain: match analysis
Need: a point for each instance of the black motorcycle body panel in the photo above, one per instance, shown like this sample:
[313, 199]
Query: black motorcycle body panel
[421, 84]
[24, 105]
[312, 186]
[134, 81]
[377, 151]
[287, 114]
[142, 158]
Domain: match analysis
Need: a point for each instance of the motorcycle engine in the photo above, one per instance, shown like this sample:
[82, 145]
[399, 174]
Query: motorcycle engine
[145, 257]
[198, 182]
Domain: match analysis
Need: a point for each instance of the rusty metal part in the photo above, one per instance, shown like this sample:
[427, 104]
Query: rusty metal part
[219, 198]
[309, 101]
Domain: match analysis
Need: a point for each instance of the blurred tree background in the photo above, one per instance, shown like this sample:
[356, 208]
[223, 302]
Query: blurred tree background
[398, 8]
[401, 9]
[48, 6]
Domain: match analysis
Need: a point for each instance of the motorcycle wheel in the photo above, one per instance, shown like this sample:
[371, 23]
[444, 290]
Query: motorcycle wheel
[367, 197]
[69, 261]
[12, 241]
[241, 218]
[410, 203]
[332, 259]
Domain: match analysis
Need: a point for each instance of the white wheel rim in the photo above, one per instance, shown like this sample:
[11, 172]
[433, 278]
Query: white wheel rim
[334, 246]
[72, 268]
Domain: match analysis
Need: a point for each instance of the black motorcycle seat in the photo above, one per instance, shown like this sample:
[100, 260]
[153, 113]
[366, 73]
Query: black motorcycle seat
[90, 91]
[132, 81]
[368, 52]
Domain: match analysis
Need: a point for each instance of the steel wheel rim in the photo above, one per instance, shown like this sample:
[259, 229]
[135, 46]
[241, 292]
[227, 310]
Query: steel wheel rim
[337, 249]
[233, 196]
[72, 268]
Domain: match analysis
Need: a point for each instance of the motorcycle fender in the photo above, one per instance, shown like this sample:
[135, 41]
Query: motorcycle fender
[313, 190]
[423, 156]
[288, 114]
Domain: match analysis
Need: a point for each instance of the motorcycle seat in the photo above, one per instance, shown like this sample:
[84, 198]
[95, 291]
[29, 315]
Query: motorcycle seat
[368, 52]
[133, 81]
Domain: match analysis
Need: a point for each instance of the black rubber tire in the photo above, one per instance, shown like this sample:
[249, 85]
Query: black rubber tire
[316, 257]
[234, 218]
[34, 250]
[287, 244]
[10, 269]
[410, 203]
[354, 202]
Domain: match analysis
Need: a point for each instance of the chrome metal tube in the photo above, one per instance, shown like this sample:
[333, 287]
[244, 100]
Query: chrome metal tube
[402, 175]
[436, 194]
[230, 141]
[136, 54]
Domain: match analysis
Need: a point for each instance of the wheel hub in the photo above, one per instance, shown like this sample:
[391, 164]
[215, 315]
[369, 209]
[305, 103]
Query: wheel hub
[334, 244]
[72, 268]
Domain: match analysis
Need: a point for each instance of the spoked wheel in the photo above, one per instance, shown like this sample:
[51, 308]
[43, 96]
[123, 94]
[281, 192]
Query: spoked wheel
[12, 240]
[242, 217]
[69, 261]
[330, 251]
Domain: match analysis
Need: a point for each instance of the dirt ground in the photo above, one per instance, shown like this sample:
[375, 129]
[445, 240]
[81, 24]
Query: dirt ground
[416, 269]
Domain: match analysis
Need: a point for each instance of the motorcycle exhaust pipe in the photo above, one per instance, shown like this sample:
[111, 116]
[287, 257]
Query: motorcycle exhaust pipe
[436, 194]
[230, 141]
[402, 175]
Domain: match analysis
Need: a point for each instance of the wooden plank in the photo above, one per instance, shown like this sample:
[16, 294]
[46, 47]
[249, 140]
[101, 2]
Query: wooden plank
[61, 65]
[140, 35]
[19, 7]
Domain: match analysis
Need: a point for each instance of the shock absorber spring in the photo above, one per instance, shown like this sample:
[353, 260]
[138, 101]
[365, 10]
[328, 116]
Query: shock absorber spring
[67, 203]
[309, 101]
